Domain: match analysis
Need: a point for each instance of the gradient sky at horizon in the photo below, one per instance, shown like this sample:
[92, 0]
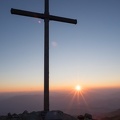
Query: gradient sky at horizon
[87, 53]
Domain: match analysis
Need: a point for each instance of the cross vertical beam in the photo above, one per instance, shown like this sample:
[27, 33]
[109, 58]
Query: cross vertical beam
[46, 58]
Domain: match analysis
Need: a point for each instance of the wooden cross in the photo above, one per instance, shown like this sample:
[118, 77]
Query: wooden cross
[47, 17]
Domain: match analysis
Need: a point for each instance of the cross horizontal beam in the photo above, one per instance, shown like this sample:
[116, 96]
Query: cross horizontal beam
[42, 16]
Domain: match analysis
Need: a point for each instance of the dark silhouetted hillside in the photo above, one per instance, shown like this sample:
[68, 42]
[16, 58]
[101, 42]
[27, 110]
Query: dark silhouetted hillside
[115, 115]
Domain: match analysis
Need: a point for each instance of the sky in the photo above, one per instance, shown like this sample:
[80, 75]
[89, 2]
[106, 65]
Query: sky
[87, 53]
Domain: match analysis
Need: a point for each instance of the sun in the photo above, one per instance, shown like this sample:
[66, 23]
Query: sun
[78, 88]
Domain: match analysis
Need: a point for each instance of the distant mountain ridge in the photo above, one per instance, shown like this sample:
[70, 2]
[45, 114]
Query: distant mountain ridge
[115, 115]
[94, 102]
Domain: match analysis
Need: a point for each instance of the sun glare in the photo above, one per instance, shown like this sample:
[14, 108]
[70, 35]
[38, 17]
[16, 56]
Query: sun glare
[78, 88]
[78, 96]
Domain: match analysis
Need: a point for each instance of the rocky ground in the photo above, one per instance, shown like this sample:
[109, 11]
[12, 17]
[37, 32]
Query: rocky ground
[23, 116]
[41, 115]
[115, 115]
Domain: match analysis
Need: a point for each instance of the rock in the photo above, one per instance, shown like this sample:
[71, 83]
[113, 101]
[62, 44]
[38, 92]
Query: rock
[88, 116]
[58, 115]
[80, 117]
[9, 116]
[85, 117]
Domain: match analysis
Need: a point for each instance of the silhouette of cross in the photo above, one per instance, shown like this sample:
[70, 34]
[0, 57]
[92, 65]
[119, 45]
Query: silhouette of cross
[47, 17]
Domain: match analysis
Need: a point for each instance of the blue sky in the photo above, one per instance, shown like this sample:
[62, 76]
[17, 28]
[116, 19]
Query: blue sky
[85, 54]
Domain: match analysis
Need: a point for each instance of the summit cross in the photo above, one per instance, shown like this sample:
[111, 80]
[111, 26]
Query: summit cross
[47, 17]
